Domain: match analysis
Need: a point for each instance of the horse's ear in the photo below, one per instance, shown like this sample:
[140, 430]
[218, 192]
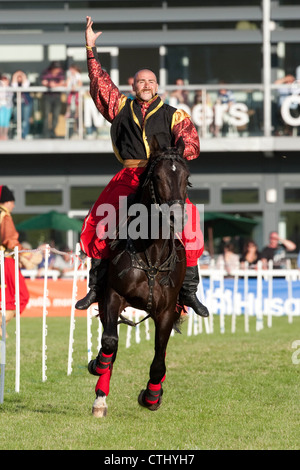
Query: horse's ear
[180, 146]
[154, 145]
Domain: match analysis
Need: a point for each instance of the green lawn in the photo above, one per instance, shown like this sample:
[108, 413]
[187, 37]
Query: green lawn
[230, 391]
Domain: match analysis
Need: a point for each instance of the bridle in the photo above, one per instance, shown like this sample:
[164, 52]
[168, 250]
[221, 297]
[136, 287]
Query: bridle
[149, 180]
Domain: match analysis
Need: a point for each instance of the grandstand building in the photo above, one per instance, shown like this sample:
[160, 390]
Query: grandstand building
[249, 133]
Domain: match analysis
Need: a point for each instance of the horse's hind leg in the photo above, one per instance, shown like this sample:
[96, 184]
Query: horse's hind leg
[151, 397]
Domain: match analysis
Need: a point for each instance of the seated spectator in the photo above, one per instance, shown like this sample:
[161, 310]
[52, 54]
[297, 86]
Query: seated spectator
[19, 79]
[231, 260]
[250, 255]
[276, 251]
[205, 258]
[64, 263]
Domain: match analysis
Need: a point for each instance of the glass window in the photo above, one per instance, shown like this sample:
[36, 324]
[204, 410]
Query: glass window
[83, 197]
[240, 196]
[291, 195]
[43, 198]
[199, 196]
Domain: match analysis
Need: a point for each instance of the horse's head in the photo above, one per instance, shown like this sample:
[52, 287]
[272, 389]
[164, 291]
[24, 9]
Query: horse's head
[168, 173]
[167, 178]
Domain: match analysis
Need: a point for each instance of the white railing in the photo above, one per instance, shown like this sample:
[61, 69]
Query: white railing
[213, 117]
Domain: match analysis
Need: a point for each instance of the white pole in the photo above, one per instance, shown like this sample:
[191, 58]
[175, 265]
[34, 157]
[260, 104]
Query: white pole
[17, 296]
[89, 314]
[259, 308]
[246, 299]
[235, 290]
[72, 317]
[290, 289]
[270, 292]
[129, 328]
[44, 330]
[3, 342]
[222, 303]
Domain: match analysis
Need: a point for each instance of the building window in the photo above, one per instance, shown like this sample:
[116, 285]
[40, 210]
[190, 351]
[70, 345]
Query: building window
[291, 195]
[83, 197]
[43, 198]
[199, 196]
[240, 196]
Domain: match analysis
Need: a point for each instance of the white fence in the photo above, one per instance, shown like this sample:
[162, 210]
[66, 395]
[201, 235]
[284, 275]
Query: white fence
[212, 292]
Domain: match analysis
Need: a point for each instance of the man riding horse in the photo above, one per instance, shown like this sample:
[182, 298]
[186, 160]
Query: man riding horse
[134, 123]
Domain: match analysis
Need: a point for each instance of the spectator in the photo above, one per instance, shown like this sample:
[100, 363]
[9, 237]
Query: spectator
[179, 96]
[250, 255]
[281, 127]
[73, 83]
[226, 99]
[6, 106]
[229, 258]
[52, 78]
[64, 263]
[131, 93]
[276, 251]
[205, 259]
[19, 79]
[9, 239]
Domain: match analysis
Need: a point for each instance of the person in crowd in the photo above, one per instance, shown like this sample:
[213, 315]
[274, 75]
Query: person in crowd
[250, 255]
[52, 78]
[282, 128]
[64, 262]
[51, 259]
[205, 259]
[298, 260]
[179, 96]
[129, 133]
[73, 83]
[9, 239]
[229, 259]
[131, 93]
[276, 251]
[19, 79]
[226, 98]
[6, 106]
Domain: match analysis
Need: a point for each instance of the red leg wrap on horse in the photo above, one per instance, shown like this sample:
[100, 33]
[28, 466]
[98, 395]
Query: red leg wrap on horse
[105, 369]
[153, 392]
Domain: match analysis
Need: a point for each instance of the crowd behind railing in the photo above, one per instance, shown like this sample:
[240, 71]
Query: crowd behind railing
[60, 106]
[61, 262]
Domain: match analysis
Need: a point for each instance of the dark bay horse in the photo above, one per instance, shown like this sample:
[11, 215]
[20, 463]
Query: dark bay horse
[146, 272]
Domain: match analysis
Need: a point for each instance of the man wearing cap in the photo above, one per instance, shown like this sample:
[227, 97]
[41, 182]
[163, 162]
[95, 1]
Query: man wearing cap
[9, 239]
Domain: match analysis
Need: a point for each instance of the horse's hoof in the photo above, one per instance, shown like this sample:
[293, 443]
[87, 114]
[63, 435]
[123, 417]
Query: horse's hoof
[99, 409]
[141, 401]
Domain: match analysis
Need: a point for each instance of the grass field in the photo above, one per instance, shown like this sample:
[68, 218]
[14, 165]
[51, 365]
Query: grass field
[222, 391]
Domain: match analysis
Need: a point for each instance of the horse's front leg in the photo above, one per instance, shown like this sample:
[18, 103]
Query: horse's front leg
[151, 397]
[103, 364]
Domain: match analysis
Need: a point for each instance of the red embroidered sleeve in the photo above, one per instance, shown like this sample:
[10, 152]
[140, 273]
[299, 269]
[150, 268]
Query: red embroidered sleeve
[188, 132]
[104, 92]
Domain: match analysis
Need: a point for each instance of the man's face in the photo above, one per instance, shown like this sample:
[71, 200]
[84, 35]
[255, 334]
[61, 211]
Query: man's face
[145, 85]
[273, 239]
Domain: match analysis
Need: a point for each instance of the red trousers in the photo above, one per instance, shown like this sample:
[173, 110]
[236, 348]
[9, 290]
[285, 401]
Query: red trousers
[10, 291]
[94, 240]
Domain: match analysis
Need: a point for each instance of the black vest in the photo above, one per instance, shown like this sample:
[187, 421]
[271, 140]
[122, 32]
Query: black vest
[131, 139]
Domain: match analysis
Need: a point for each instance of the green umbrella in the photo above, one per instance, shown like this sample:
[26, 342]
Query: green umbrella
[51, 220]
[220, 224]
